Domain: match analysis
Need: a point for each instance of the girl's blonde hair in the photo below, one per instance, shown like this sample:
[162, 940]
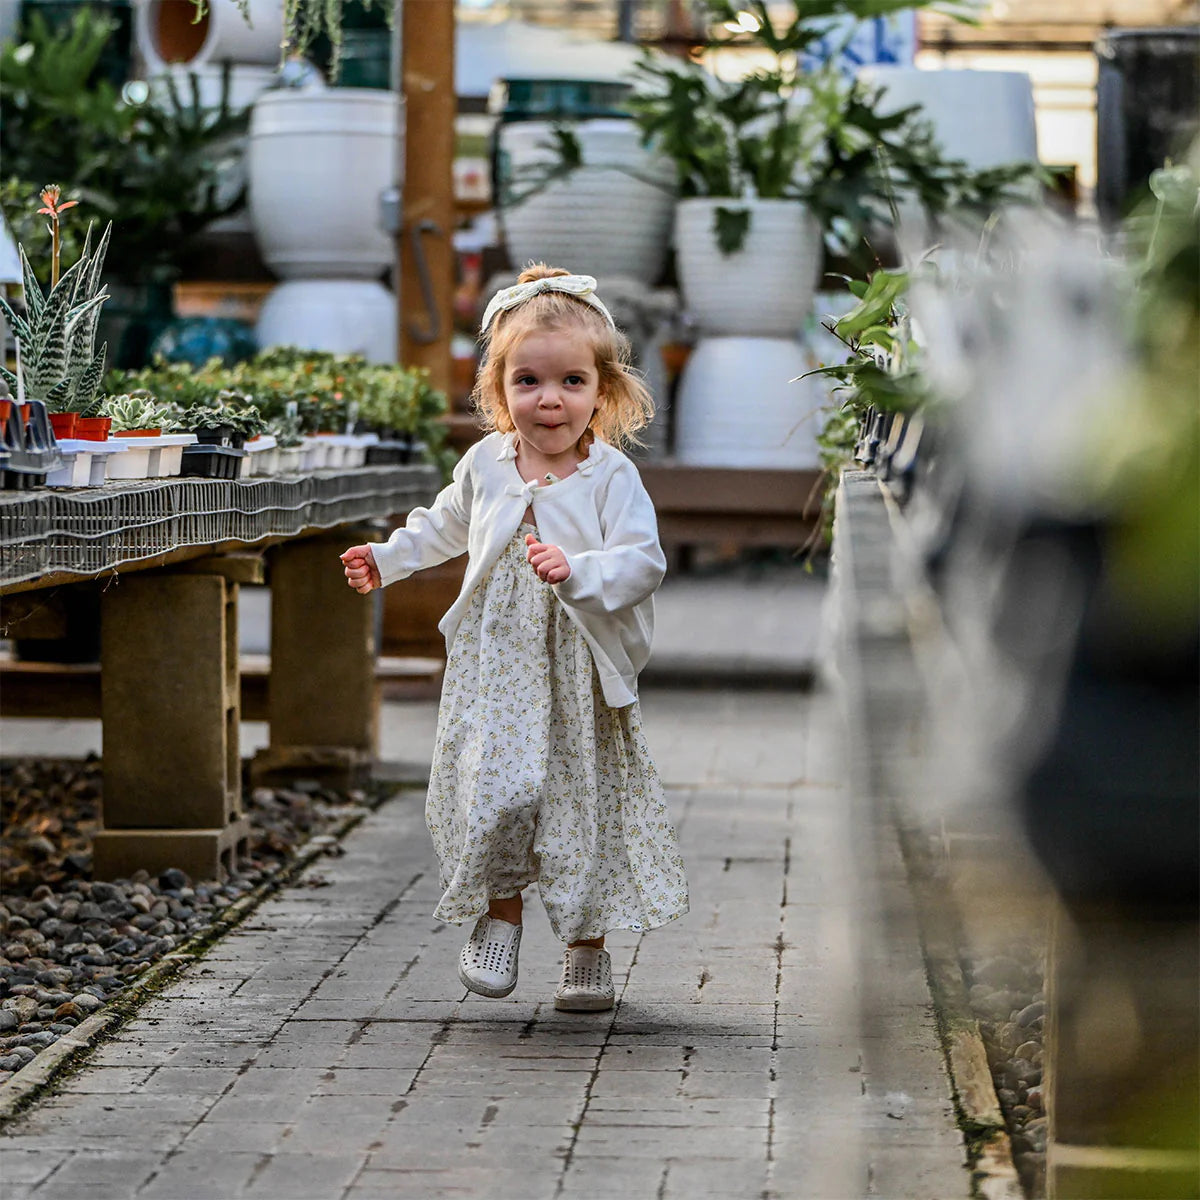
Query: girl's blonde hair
[625, 402]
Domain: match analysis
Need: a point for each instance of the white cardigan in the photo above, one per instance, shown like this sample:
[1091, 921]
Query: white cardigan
[600, 517]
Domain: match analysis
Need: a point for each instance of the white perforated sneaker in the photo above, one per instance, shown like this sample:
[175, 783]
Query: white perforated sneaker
[488, 962]
[587, 983]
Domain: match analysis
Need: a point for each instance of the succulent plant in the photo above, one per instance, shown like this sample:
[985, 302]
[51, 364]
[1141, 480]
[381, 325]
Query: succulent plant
[59, 362]
[133, 411]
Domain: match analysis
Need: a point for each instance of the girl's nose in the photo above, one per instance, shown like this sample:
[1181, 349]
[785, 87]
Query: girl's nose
[550, 397]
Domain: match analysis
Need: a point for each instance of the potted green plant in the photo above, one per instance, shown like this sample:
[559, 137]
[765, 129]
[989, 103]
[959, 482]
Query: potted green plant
[771, 165]
[153, 165]
[58, 364]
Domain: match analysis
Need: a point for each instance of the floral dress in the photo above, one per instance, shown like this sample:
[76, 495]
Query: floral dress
[536, 778]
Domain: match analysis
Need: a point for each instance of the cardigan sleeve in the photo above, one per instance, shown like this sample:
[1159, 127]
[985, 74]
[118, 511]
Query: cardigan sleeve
[631, 564]
[430, 535]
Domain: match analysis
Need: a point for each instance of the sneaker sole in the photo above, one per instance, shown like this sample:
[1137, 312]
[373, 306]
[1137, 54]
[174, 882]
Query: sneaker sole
[582, 1004]
[481, 989]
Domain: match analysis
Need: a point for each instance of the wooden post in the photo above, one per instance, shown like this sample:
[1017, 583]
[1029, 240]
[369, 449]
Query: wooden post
[427, 80]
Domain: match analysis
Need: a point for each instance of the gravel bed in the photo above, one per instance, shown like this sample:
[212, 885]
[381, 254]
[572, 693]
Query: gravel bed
[1006, 992]
[68, 944]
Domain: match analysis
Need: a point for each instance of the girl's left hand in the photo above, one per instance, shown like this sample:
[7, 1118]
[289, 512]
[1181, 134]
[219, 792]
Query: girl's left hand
[548, 561]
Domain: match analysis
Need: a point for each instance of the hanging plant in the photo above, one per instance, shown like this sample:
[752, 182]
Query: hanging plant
[304, 21]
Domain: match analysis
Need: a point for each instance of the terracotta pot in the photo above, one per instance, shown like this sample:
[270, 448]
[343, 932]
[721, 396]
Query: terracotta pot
[93, 429]
[139, 433]
[64, 424]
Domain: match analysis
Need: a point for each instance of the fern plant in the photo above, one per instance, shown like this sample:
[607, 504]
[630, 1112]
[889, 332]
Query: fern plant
[59, 362]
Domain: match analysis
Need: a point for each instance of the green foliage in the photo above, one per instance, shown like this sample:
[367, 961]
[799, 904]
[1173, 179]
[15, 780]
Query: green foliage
[152, 168]
[57, 333]
[296, 391]
[813, 136]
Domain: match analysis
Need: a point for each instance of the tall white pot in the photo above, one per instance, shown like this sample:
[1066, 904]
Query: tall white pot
[343, 316]
[737, 407]
[609, 217]
[764, 289]
[985, 118]
[319, 160]
[167, 32]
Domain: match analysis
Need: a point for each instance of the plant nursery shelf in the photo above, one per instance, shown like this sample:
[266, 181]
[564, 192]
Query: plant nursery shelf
[54, 536]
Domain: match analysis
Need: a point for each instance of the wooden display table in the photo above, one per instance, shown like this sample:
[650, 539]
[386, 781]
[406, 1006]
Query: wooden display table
[172, 554]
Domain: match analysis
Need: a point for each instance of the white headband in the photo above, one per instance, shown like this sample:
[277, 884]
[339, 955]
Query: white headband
[582, 287]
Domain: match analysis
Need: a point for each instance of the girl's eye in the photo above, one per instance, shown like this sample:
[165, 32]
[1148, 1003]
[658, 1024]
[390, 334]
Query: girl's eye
[574, 380]
[526, 380]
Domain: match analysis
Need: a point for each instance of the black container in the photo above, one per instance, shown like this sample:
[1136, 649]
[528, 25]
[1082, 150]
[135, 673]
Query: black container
[213, 462]
[1147, 100]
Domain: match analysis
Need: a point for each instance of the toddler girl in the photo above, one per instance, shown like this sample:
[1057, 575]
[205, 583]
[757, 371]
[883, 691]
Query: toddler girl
[541, 771]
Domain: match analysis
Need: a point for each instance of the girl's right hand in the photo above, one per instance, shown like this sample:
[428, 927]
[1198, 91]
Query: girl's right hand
[361, 572]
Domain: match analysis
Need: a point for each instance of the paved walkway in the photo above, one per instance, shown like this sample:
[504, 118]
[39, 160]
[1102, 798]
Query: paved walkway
[775, 1043]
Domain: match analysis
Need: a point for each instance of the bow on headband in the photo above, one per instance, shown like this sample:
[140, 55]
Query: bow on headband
[582, 287]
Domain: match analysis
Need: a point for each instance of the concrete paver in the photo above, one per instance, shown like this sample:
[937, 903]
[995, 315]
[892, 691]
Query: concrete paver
[767, 1045]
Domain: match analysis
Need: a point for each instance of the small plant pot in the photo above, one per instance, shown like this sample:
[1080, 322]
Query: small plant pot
[157, 432]
[213, 462]
[220, 435]
[93, 429]
[64, 424]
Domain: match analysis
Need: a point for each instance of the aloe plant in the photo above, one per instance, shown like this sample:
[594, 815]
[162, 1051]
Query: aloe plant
[59, 360]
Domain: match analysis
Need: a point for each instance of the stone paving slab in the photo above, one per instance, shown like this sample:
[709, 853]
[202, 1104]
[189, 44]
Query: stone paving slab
[325, 1049]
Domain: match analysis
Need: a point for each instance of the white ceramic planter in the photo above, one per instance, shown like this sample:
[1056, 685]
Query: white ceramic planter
[167, 32]
[344, 316]
[736, 407]
[985, 118]
[318, 161]
[765, 289]
[612, 216]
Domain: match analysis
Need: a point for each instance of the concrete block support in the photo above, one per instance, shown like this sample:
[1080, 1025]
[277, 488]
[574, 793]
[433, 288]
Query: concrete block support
[169, 702]
[322, 703]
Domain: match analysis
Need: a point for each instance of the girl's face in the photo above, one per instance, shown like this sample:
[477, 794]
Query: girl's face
[552, 388]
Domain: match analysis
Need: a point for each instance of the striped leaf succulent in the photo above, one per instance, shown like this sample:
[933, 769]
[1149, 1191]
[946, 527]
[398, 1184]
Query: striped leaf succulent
[57, 332]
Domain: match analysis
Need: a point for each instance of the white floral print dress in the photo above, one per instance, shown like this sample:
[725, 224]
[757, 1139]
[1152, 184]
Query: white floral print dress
[536, 778]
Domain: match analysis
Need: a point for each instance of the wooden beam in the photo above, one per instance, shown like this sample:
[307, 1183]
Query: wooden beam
[427, 75]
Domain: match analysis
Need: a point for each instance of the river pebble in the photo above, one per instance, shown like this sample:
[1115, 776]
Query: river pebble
[68, 944]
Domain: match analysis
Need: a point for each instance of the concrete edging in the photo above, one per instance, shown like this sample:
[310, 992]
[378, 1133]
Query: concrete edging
[27, 1085]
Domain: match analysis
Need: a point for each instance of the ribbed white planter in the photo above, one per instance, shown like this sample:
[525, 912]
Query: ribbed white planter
[985, 118]
[343, 316]
[167, 32]
[319, 160]
[766, 288]
[611, 216]
[736, 407]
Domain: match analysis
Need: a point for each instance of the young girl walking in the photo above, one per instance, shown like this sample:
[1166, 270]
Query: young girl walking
[541, 772]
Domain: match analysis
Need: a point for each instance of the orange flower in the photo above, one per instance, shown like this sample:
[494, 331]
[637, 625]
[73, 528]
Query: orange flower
[50, 198]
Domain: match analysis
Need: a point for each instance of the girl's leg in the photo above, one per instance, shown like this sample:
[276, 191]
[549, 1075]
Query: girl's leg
[596, 943]
[508, 909]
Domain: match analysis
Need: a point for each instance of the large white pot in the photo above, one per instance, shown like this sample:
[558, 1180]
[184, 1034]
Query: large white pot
[764, 289]
[167, 32]
[611, 216]
[343, 316]
[985, 118]
[319, 160]
[736, 406]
